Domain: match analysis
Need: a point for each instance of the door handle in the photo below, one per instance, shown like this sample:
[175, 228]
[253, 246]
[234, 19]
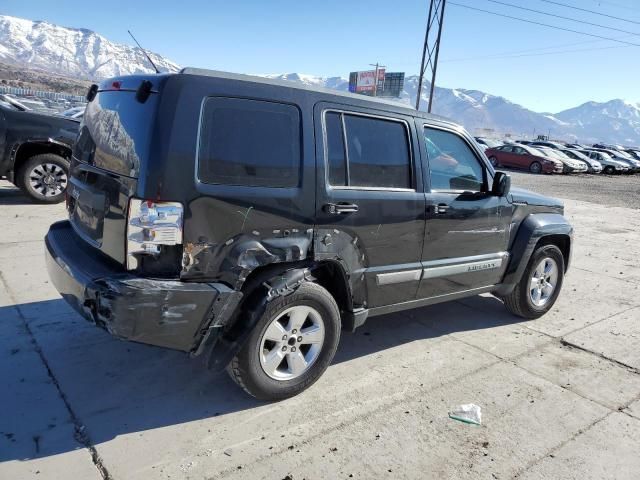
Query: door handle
[340, 208]
[440, 209]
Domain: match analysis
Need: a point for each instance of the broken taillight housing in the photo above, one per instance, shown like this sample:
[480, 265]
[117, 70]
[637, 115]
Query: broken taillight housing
[150, 225]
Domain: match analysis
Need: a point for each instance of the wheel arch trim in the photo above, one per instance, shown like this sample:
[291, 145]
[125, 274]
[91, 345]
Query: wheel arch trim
[547, 228]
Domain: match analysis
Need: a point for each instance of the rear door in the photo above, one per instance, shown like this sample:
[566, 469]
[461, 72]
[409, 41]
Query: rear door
[370, 208]
[506, 156]
[520, 157]
[467, 227]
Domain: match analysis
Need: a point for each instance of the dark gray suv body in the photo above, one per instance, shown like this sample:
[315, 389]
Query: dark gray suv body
[252, 219]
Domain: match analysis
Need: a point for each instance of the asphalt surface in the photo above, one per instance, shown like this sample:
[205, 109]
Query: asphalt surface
[560, 396]
[616, 190]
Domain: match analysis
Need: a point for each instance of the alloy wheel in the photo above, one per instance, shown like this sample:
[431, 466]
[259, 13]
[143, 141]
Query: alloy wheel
[543, 282]
[292, 343]
[48, 179]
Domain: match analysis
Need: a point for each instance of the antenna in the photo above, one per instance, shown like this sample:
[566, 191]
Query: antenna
[144, 51]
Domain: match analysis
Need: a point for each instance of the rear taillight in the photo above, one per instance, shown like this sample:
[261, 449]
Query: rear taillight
[149, 226]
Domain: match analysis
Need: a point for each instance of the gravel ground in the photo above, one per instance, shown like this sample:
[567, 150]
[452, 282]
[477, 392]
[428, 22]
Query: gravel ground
[612, 190]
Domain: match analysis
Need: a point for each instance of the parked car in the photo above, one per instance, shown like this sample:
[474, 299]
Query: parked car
[522, 156]
[487, 142]
[524, 142]
[609, 165]
[73, 112]
[593, 165]
[624, 157]
[570, 165]
[252, 219]
[635, 153]
[35, 149]
[547, 144]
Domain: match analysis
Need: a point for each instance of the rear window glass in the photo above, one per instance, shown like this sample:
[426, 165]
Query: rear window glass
[116, 132]
[249, 142]
[376, 155]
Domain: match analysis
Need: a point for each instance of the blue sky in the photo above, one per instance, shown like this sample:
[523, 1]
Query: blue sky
[332, 38]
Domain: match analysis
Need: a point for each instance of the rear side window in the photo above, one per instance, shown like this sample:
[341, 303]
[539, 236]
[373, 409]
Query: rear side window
[367, 152]
[249, 142]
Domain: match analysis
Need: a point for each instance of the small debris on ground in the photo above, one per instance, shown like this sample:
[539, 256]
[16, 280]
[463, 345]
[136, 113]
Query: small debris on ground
[467, 413]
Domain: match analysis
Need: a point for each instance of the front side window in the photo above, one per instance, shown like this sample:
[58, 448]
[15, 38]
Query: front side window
[249, 143]
[367, 152]
[452, 163]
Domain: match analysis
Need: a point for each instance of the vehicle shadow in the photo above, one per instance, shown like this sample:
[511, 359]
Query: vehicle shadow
[10, 195]
[115, 388]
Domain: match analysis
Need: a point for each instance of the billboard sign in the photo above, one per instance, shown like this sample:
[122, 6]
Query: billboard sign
[365, 81]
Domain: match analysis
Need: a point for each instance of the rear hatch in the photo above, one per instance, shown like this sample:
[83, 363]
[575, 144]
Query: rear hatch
[109, 155]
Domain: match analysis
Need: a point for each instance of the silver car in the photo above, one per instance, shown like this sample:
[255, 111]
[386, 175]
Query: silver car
[593, 165]
[609, 165]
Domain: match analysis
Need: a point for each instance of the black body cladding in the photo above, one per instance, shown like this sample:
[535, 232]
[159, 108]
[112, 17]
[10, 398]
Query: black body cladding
[276, 177]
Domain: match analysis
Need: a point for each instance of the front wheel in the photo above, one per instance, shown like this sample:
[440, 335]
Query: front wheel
[609, 170]
[44, 177]
[291, 345]
[494, 161]
[540, 284]
[535, 167]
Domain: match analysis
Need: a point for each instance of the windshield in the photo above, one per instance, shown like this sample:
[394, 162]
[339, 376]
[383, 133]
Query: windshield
[621, 154]
[575, 154]
[548, 152]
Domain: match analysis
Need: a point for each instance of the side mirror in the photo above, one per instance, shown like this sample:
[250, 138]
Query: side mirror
[501, 184]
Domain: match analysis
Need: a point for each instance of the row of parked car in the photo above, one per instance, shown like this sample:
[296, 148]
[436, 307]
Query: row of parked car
[540, 156]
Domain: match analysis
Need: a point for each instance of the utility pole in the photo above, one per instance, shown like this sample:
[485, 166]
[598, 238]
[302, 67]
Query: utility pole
[431, 48]
[375, 83]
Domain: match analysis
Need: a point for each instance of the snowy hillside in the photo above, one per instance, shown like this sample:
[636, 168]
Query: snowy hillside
[71, 51]
[83, 54]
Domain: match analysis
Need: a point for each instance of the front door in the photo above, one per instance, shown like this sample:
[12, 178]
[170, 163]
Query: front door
[370, 208]
[467, 227]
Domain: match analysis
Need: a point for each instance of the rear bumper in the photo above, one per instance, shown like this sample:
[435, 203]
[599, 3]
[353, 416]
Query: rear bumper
[167, 313]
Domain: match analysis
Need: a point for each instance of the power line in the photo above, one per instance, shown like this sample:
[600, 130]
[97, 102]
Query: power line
[545, 24]
[564, 18]
[538, 54]
[617, 5]
[550, 47]
[590, 11]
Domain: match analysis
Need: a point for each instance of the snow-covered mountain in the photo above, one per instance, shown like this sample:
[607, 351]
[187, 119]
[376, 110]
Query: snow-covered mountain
[619, 118]
[83, 54]
[616, 121]
[74, 52]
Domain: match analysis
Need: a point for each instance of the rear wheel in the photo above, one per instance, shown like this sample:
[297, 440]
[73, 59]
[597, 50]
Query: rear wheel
[494, 161]
[291, 346]
[44, 177]
[535, 167]
[609, 170]
[540, 284]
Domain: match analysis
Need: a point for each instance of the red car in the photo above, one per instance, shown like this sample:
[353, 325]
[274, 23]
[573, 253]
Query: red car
[524, 157]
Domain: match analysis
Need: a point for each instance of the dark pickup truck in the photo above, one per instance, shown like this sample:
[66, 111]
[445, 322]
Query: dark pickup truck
[35, 149]
[250, 220]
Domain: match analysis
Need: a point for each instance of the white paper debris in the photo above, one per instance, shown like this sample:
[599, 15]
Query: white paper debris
[468, 413]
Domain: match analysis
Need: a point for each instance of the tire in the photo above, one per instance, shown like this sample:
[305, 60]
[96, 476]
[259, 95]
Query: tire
[609, 170]
[44, 178]
[249, 368]
[494, 161]
[520, 301]
[535, 167]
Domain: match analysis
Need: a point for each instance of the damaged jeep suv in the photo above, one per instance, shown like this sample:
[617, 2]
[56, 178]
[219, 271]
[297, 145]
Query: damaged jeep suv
[249, 221]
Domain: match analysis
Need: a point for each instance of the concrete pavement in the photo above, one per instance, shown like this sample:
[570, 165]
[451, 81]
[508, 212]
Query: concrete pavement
[560, 396]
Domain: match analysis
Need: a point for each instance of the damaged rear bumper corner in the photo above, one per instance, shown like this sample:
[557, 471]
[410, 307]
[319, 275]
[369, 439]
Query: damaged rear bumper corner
[166, 313]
